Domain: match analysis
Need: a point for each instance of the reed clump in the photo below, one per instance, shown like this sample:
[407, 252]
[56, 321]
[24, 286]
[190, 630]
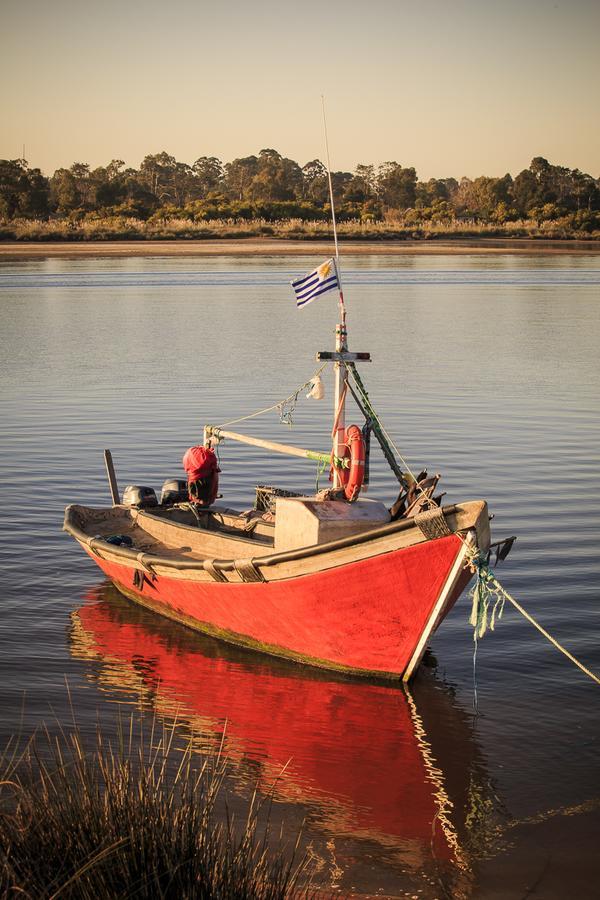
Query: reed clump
[163, 227]
[134, 817]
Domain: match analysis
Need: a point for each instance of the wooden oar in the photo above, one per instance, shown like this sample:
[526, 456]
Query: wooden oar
[112, 478]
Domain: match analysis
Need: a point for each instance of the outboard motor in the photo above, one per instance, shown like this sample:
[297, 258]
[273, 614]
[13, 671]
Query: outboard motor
[202, 469]
[138, 496]
[174, 490]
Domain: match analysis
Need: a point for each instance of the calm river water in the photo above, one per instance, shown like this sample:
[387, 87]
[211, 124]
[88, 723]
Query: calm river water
[484, 369]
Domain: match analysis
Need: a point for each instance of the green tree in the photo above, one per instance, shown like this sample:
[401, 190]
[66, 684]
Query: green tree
[167, 180]
[109, 184]
[276, 178]
[397, 186]
[479, 198]
[238, 176]
[208, 173]
[367, 175]
[525, 192]
[339, 183]
[585, 191]
[361, 187]
[155, 170]
[23, 191]
[35, 202]
[84, 184]
[64, 194]
[315, 184]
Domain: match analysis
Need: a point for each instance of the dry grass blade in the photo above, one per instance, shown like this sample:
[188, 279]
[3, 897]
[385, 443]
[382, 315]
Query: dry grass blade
[137, 819]
[411, 225]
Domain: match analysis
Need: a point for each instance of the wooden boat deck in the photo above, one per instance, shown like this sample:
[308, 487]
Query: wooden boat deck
[185, 550]
[220, 533]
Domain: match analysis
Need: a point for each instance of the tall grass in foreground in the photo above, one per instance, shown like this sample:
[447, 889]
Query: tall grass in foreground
[134, 818]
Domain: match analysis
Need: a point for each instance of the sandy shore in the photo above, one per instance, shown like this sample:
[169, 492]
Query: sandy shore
[270, 247]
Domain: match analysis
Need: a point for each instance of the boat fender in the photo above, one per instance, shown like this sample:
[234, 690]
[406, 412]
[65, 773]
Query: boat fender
[352, 477]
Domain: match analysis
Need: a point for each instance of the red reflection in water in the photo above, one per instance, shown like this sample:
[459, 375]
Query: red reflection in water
[356, 749]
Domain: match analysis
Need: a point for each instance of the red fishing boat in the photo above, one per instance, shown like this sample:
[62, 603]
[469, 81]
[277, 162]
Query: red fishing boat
[365, 603]
[333, 580]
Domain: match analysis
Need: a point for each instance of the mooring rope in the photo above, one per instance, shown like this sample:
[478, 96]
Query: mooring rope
[489, 592]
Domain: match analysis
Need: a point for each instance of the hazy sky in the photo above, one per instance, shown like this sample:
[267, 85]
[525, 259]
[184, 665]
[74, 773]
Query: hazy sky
[453, 87]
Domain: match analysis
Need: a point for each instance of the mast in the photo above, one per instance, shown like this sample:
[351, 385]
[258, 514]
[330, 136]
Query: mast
[340, 357]
[341, 334]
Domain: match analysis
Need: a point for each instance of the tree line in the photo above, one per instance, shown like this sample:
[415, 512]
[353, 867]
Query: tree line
[271, 187]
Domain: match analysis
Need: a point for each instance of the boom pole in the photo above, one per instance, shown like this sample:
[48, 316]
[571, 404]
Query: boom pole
[210, 431]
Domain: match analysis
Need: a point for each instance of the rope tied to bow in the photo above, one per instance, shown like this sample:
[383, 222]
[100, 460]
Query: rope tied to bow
[488, 593]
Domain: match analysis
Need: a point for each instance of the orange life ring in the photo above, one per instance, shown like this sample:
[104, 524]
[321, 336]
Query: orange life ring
[352, 477]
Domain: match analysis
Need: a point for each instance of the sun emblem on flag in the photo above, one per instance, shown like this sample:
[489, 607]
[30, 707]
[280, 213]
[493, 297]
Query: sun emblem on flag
[324, 269]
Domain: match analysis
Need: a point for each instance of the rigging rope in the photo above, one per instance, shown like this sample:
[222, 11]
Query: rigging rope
[380, 433]
[362, 399]
[487, 591]
[385, 441]
[285, 416]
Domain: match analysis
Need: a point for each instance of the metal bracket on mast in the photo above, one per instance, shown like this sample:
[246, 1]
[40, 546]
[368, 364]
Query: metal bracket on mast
[343, 356]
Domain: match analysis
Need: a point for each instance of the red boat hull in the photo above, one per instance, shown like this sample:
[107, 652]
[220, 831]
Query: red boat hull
[372, 616]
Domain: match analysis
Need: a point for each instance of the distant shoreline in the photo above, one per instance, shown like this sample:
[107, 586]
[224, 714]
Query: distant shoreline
[253, 246]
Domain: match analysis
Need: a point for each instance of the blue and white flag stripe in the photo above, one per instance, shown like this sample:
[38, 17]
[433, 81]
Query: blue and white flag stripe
[314, 288]
[323, 279]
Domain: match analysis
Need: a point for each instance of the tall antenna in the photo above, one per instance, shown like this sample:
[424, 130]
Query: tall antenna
[337, 252]
[335, 239]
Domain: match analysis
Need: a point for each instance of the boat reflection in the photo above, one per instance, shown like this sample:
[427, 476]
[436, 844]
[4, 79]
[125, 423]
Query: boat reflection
[371, 761]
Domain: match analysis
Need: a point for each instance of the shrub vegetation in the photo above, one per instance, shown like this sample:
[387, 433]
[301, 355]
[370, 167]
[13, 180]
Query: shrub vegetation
[269, 194]
[140, 819]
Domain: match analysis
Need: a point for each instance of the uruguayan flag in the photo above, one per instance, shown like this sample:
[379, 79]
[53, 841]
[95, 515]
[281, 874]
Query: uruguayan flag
[323, 279]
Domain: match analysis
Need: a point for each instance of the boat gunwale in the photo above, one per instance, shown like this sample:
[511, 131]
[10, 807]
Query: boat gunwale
[97, 543]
